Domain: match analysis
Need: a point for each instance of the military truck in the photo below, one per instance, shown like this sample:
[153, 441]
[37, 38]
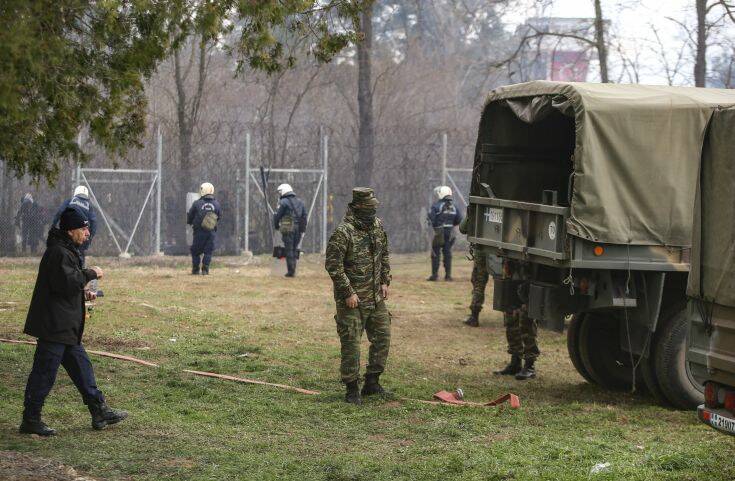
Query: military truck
[711, 289]
[591, 187]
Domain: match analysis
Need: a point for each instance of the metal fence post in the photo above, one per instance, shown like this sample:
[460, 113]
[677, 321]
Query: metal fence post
[444, 158]
[238, 234]
[159, 165]
[325, 190]
[247, 192]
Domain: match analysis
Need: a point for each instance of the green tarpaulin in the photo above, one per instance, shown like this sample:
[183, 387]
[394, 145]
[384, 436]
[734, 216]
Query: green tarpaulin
[636, 153]
[712, 275]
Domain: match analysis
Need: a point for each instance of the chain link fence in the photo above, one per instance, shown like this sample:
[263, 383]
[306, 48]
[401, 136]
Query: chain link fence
[140, 200]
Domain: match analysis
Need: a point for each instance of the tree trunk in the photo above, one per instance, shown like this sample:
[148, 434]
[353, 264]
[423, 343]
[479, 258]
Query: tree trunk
[700, 64]
[366, 140]
[600, 42]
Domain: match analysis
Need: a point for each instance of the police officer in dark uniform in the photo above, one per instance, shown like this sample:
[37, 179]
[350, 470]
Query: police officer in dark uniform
[290, 219]
[30, 220]
[80, 201]
[203, 217]
[56, 317]
[443, 216]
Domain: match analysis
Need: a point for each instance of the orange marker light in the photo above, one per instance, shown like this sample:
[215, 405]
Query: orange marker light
[598, 251]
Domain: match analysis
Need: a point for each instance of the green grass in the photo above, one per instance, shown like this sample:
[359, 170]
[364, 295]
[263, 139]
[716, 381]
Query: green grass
[259, 325]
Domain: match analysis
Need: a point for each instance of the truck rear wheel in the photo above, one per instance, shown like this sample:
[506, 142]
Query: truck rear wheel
[672, 369]
[575, 325]
[599, 347]
[648, 373]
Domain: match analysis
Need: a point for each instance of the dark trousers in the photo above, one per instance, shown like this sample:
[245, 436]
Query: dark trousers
[442, 245]
[290, 244]
[203, 244]
[49, 356]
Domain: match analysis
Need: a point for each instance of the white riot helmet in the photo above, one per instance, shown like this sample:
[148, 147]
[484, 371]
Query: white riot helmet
[206, 189]
[81, 191]
[445, 191]
[284, 189]
[438, 191]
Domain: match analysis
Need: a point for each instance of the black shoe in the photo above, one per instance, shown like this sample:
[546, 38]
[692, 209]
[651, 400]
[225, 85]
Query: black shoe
[353, 393]
[528, 371]
[205, 270]
[34, 425]
[472, 321]
[372, 386]
[290, 274]
[513, 367]
[103, 415]
[433, 278]
[195, 270]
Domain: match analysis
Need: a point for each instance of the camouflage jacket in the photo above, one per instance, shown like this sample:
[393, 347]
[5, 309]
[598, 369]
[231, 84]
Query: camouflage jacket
[358, 261]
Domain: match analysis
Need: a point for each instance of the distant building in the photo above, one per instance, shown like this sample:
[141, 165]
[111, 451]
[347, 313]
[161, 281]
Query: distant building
[550, 55]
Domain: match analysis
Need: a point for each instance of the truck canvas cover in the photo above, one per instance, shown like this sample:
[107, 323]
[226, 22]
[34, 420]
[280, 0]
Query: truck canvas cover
[634, 152]
[712, 274]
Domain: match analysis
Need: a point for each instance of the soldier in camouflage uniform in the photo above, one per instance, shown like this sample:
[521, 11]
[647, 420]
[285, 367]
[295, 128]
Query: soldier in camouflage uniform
[520, 330]
[357, 261]
[480, 276]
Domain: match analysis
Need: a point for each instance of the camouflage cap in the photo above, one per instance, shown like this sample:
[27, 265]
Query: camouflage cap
[363, 197]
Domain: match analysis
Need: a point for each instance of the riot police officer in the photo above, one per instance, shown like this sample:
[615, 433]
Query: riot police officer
[203, 217]
[290, 220]
[443, 216]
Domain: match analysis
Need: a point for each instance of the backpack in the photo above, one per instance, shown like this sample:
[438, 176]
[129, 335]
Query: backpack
[209, 221]
[288, 222]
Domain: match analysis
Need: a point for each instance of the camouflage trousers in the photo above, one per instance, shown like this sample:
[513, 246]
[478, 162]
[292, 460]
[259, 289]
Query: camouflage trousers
[521, 332]
[350, 325]
[480, 276]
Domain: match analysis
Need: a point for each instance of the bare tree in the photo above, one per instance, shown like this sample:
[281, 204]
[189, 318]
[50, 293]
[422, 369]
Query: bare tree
[366, 136]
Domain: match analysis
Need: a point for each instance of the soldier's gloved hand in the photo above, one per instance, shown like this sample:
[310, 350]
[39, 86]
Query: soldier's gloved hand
[384, 291]
[352, 301]
[90, 296]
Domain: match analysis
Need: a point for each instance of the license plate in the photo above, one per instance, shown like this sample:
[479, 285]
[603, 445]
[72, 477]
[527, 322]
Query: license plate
[493, 215]
[722, 423]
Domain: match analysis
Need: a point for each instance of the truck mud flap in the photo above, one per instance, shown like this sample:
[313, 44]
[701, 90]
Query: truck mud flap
[550, 304]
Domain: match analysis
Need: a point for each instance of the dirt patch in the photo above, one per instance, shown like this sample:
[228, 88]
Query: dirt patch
[113, 343]
[22, 467]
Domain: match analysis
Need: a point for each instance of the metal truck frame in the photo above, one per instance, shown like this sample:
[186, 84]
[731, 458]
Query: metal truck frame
[621, 291]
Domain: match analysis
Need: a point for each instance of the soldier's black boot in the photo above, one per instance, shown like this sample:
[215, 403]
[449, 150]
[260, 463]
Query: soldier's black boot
[195, 270]
[32, 424]
[474, 319]
[448, 269]
[103, 415]
[513, 367]
[528, 371]
[372, 386]
[205, 270]
[353, 393]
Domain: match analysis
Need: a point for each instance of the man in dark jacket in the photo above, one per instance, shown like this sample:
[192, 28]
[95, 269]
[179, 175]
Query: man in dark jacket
[56, 317]
[290, 219]
[203, 216]
[80, 201]
[443, 217]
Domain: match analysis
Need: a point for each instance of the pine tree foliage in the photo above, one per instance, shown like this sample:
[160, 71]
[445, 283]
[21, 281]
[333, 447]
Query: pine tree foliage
[73, 65]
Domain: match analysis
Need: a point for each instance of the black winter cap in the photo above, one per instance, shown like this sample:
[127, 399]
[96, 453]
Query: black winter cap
[72, 219]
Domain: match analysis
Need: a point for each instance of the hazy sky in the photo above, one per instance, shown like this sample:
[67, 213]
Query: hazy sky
[633, 24]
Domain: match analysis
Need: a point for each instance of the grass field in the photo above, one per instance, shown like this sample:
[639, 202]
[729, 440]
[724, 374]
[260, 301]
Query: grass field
[245, 320]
